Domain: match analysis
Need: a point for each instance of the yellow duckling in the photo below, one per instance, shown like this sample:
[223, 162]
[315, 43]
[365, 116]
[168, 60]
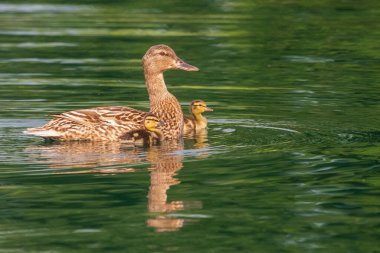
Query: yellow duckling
[150, 135]
[197, 121]
[111, 122]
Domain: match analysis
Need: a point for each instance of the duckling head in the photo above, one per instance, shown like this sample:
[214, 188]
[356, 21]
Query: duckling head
[159, 58]
[152, 123]
[199, 106]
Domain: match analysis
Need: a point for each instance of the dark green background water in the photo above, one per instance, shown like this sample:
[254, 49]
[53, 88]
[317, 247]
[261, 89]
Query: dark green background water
[291, 160]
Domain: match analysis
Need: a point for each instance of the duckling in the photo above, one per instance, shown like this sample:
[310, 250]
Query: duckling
[197, 121]
[110, 123]
[150, 135]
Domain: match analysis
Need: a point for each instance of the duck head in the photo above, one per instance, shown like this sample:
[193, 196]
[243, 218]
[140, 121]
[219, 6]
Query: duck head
[159, 58]
[199, 106]
[152, 122]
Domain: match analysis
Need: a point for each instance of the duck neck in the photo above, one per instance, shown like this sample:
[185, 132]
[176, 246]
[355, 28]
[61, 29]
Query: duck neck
[155, 84]
[200, 120]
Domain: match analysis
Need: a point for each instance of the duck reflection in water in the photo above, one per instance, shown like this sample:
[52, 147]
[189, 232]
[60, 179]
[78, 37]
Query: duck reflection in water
[165, 160]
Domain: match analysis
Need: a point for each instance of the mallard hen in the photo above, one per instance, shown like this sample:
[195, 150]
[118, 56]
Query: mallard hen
[197, 121]
[109, 123]
[150, 135]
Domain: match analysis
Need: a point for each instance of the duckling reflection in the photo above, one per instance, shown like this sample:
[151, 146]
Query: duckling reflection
[198, 139]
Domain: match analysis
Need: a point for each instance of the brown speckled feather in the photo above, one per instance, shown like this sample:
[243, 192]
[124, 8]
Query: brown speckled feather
[100, 123]
[169, 111]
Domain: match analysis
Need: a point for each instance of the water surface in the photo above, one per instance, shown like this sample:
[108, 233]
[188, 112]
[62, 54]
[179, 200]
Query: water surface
[290, 162]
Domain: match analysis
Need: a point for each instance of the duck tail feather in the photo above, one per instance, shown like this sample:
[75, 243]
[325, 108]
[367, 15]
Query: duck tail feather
[42, 132]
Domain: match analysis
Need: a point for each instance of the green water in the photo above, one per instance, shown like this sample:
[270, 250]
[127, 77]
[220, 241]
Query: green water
[291, 159]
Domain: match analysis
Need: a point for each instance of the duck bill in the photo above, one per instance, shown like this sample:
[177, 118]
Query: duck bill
[180, 64]
[208, 109]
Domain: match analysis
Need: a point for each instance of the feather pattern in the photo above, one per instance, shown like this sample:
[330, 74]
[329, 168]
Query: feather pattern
[100, 123]
[170, 112]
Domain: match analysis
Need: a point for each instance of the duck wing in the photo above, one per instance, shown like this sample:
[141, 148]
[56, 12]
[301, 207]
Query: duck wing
[99, 123]
[188, 123]
[113, 115]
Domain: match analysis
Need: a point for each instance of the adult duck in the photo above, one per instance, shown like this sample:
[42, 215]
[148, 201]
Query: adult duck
[109, 123]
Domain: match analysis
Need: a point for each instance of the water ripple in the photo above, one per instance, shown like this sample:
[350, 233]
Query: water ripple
[250, 123]
[308, 59]
[32, 8]
[49, 61]
[37, 45]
